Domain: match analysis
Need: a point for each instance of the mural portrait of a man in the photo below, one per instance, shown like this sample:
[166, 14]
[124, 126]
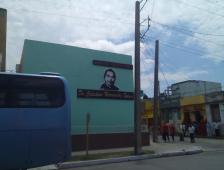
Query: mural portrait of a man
[109, 80]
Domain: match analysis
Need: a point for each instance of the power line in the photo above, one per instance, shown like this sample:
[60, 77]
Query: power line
[153, 6]
[198, 53]
[174, 66]
[143, 35]
[177, 47]
[143, 4]
[176, 70]
[168, 59]
[188, 34]
[164, 54]
[215, 3]
[202, 9]
[73, 17]
[200, 39]
[128, 23]
[164, 76]
[192, 91]
[217, 88]
[187, 30]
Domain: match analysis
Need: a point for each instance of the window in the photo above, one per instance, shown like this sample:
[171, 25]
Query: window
[31, 91]
[215, 112]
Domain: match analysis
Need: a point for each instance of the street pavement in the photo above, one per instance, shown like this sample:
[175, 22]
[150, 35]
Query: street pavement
[209, 146]
[213, 156]
[205, 143]
[209, 160]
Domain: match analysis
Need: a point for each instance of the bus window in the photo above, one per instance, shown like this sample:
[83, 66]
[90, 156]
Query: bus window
[32, 92]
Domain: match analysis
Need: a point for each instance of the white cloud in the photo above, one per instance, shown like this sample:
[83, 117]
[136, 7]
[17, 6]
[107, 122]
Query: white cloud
[199, 16]
[147, 83]
[147, 80]
[124, 48]
[64, 21]
[98, 24]
[182, 75]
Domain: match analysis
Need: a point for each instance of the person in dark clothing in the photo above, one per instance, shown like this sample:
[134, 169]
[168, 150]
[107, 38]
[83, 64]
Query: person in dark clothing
[109, 80]
[166, 131]
[172, 131]
[163, 132]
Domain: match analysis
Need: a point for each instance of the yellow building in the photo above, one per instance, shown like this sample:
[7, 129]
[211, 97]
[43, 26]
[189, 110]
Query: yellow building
[193, 111]
[147, 113]
[148, 109]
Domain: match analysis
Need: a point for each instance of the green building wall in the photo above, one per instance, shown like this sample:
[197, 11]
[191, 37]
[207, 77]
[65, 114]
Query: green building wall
[75, 64]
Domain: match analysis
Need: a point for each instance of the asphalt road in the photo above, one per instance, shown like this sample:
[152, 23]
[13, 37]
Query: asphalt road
[211, 159]
[208, 160]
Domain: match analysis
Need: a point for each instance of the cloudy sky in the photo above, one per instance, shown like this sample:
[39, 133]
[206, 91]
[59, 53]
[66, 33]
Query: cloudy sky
[191, 33]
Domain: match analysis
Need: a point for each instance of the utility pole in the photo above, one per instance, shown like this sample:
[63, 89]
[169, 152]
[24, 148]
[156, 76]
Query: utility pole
[87, 133]
[156, 94]
[137, 114]
[3, 23]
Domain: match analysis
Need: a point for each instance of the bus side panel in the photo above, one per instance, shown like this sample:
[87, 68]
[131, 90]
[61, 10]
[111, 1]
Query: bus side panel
[33, 137]
[14, 140]
[13, 149]
[48, 135]
[47, 146]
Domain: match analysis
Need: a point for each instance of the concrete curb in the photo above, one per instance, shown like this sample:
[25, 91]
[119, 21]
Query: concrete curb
[213, 150]
[183, 152]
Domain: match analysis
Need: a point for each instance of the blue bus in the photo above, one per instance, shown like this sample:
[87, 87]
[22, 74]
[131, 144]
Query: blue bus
[34, 120]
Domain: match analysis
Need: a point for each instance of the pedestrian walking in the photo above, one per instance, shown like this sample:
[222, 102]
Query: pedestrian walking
[172, 131]
[163, 132]
[184, 129]
[181, 132]
[166, 131]
[191, 130]
[216, 127]
[209, 129]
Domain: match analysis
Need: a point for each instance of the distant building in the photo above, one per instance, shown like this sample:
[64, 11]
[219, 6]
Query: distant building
[214, 103]
[170, 108]
[194, 88]
[196, 102]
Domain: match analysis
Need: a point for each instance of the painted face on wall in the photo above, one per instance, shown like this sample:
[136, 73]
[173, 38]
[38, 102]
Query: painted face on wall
[109, 78]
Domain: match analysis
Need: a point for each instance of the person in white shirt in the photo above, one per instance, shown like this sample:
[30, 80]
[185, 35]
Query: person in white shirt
[209, 129]
[191, 130]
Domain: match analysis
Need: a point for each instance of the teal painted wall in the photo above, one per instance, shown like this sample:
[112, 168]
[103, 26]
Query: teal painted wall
[75, 64]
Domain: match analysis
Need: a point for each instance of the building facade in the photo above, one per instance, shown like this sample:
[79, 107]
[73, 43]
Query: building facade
[197, 102]
[194, 88]
[101, 86]
[214, 103]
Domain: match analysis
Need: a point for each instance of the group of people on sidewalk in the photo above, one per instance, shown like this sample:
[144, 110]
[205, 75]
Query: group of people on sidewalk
[213, 129]
[167, 130]
[184, 130]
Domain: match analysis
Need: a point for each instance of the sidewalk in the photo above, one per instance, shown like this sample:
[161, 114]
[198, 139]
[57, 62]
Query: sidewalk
[158, 148]
[161, 149]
